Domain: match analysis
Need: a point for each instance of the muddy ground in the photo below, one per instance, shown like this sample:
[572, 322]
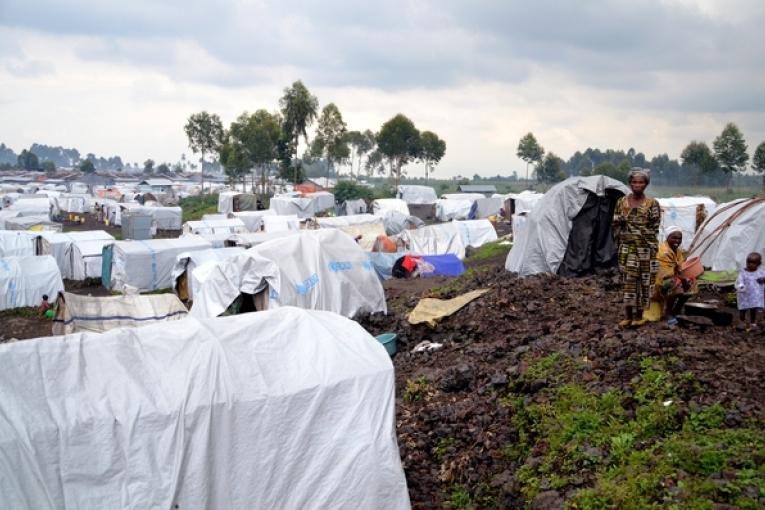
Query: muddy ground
[527, 340]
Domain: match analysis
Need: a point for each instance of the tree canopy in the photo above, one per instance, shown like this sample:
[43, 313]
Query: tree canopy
[28, 160]
[530, 151]
[256, 138]
[299, 110]
[331, 142]
[205, 134]
[87, 166]
[758, 161]
[551, 169]
[361, 145]
[730, 151]
[399, 141]
[432, 149]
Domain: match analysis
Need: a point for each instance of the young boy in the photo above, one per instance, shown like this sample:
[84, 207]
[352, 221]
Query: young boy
[750, 289]
[44, 306]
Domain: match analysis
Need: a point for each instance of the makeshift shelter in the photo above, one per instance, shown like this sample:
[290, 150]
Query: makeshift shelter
[253, 220]
[5, 215]
[519, 203]
[186, 263]
[33, 223]
[476, 233]
[145, 265]
[317, 270]
[280, 223]
[448, 209]
[463, 196]
[352, 207]
[69, 204]
[233, 201]
[485, 207]
[248, 240]
[417, 195]
[435, 240]
[381, 205]
[17, 243]
[365, 228]
[86, 259]
[734, 230]
[396, 222]
[76, 313]
[37, 206]
[684, 212]
[569, 230]
[227, 226]
[59, 245]
[302, 207]
[24, 281]
[284, 409]
[165, 218]
[323, 200]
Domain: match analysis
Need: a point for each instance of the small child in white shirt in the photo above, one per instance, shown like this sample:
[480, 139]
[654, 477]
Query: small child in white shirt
[750, 289]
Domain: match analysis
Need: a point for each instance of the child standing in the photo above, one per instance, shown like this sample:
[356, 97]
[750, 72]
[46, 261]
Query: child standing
[750, 289]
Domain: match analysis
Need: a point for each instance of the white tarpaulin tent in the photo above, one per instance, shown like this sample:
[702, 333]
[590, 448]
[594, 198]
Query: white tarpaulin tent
[541, 245]
[283, 409]
[358, 206]
[485, 207]
[280, 223]
[86, 259]
[730, 234]
[75, 313]
[248, 240]
[322, 200]
[463, 196]
[381, 205]
[148, 265]
[417, 194]
[435, 240]
[226, 226]
[165, 218]
[33, 223]
[17, 243]
[234, 201]
[448, 209]
[302, 207]
[185, 263]
[368, 226]
[317, 270]
[681, 212]
[69, 204]
[38, 206]
[59, 244]
[476, 233]
[23, 281]
[253, 220]
[524, 201]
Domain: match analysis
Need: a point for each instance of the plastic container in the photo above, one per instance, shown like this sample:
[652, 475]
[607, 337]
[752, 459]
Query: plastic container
[389, 342]
[692, 268]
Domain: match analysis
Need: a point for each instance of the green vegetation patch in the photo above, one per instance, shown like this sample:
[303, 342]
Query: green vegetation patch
[492, 250]
[197, 206]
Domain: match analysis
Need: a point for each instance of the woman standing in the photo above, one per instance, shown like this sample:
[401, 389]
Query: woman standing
[636, 229]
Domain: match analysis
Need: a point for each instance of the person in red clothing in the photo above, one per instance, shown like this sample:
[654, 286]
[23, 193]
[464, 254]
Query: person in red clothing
[44, 306]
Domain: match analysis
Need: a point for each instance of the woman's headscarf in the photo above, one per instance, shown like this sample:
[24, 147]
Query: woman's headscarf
[640, 172]
[672, 229]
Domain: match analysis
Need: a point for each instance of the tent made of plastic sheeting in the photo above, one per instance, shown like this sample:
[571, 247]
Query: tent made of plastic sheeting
[6, 215]
[463, 196]
[165, 218]
[69, 204]
[280, 223]
[250, 239]
[75, 313]
[253, 220]
[569, 230]
[353, 207]
[59, 245]
[448, 209]
[145, 265]
[485, 207]
[417, 194]
[688, 213]
[381, 205]
[302, 207]
[365, 228]
[86, 259]
[33, 223]
[735, 230]
[323, 200]
[476, 233]
[17, 243]
[24, 281]
[233, 201]
[185, 263]
[283, 409]
[518, 203]
[316, 270]
[230, 226]
[31, 206]
[396, 222]
[435, 240]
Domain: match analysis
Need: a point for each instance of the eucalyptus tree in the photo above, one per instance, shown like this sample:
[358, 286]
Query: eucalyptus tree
[205, 134]
[299, 110]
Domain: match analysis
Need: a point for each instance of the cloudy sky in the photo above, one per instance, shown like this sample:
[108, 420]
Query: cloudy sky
[122, 77]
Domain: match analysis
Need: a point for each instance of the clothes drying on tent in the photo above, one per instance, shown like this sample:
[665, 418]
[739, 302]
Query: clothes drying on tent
[730, 234]
[569, 230]
[76, 313]
[24, 281]
[287, 408]
[318, 270]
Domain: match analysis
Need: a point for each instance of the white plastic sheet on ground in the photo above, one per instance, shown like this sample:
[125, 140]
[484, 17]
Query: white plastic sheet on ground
[187, 262]
[148, 265]
[317, 270]
[540, 246]
[75, 313]
[23, 281]
[17, 243]
[281, 409]
[435, 240]
[448, 209]
[417, 194]
[381, 205]
[681, 212]
[476, 233]
[725, 249]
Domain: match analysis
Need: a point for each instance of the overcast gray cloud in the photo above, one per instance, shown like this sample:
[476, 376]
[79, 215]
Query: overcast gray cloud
[542, 60]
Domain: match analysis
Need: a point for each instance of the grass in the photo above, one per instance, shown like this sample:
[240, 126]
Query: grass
[416, 389]
[29, 312]
[634, 448]
[197, 206]
[492, 250]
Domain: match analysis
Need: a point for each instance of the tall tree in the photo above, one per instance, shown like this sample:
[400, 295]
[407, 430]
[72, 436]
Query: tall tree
[399, 141]
[331, 142]
[698, 156]
[758, 161]
[360, 144]
[730, 151]
[28, 160]
[148, 166]
[234, 158]
[258, 136]
[205, 134]
[87, 166]
[299, 109]
[530, 151]
[551, 169]
[432, 149]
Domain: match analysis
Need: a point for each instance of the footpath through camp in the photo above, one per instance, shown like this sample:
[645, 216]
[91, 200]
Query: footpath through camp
[534, 399]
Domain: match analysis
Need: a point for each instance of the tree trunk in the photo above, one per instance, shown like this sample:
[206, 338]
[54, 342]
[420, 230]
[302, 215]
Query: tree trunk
[202, 173]
[294, 179]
